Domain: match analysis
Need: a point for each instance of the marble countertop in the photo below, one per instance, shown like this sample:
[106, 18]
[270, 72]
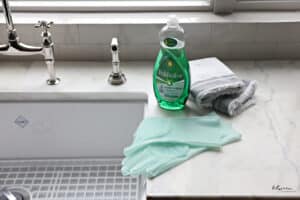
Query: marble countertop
[265, 163]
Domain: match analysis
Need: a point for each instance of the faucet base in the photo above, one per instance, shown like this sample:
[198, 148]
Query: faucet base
[53, 81]
[116, 78]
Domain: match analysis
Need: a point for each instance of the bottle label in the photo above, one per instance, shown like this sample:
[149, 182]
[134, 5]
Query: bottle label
[170, 80]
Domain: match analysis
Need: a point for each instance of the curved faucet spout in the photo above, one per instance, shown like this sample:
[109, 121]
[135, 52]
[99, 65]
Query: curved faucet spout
[4, 47]
[17, 48]
[8, 17]
[25, 48]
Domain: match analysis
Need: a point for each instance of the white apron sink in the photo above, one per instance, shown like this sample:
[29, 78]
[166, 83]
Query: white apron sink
[69, 145]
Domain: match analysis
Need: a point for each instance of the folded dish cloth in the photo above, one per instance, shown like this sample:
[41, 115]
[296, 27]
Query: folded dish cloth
[232, 105]
[162, 143]
[214, 85]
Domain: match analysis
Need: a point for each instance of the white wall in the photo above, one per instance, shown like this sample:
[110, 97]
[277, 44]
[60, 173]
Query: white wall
[229, 39]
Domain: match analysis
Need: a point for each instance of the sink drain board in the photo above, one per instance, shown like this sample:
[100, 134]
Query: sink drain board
[95, 179]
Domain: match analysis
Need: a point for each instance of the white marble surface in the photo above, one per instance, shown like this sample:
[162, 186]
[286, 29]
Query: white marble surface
[268, 155]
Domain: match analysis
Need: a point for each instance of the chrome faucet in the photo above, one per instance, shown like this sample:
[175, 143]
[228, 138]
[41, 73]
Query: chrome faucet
[17, 48]
[7, 195]
[116, 77]
[14, 193]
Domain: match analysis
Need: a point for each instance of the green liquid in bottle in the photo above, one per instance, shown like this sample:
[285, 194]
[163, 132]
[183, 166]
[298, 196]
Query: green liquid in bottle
[171, 77]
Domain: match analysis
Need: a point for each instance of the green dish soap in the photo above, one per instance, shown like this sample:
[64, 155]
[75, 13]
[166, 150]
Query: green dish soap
[171, 74]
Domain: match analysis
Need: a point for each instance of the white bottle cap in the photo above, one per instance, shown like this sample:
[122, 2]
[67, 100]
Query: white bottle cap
[172, 20]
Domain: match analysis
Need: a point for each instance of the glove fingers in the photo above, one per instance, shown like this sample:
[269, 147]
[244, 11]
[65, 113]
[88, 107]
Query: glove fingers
[137, 159]
[141, 168]
[156, 170]
[152, 156]
[229, 134]
[172, 153]
[197, 131]
[163, 142]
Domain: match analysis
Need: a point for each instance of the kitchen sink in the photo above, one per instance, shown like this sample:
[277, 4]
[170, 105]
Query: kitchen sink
[69, 145]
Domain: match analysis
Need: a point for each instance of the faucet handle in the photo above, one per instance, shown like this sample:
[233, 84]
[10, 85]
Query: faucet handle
[44, 25]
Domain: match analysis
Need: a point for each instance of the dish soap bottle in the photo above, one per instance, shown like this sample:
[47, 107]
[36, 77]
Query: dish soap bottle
[171, 75]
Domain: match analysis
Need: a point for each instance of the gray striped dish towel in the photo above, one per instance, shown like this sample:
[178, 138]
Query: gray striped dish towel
[214, 85]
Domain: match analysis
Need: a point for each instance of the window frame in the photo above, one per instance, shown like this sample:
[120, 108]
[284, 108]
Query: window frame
[217, 6]
[268, 5]
[229, 6]
[110, 6]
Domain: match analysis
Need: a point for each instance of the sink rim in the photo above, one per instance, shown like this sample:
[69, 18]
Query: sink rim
[137, 97]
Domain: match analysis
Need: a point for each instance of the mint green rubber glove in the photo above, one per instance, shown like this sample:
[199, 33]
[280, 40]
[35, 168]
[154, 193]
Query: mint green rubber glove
[194, 131]
[155, 158]
[156, 169]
